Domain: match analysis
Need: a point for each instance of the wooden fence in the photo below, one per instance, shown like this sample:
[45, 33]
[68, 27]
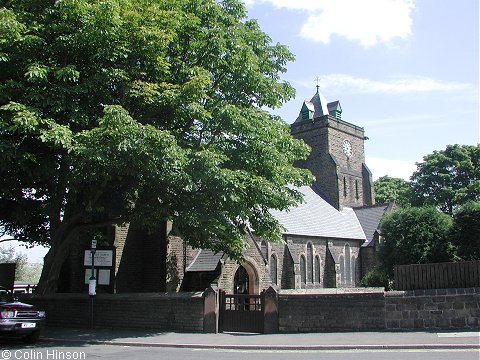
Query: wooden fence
[437, 276]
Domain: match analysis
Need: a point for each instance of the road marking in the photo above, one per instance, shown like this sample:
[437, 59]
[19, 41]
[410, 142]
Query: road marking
[458, 334]
[253, 351]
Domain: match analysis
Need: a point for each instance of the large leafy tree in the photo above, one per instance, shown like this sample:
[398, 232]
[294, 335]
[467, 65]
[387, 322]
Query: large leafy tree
[122, 110]
[415, 235]
[448, 178]
[466, 230]
[392, 189]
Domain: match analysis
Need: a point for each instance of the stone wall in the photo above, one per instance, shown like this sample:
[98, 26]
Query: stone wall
[120, 236]
[362, 310]
[172, 312]
[432, 309]
[285, 265]
[337, 250]
[177, 254]
[368, 258]
[307, 310]
[349, 168]
[335, 310]
[368, 187]
[143, 260]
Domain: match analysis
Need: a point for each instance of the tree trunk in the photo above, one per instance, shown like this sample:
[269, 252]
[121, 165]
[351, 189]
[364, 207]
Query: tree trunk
[61, 244]
[53, 263]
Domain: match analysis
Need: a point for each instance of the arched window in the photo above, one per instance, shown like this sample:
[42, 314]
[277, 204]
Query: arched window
[356, 190]
[303, 271]
[317, 269]
[264, 249]
[309, 263]
[344, 186]
[342, 270]
[348, 270]
[354, 274]
[273, 269]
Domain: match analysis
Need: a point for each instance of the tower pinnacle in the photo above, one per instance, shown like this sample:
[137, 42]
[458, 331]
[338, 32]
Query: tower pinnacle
[317, 80]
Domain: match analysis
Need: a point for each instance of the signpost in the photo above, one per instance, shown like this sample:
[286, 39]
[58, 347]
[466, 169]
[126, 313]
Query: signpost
[92, 284]
[104, 260]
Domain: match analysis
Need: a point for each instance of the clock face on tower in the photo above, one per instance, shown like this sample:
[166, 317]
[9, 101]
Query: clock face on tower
[347, 148]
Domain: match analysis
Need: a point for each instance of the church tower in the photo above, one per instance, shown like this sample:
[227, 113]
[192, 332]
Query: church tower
[337, 159]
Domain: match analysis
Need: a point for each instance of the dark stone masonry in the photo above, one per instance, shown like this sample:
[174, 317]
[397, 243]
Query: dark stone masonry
[287, 311]
[331, 312]
[432, 309]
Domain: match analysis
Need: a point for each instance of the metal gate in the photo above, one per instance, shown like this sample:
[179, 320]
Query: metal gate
[241, 312]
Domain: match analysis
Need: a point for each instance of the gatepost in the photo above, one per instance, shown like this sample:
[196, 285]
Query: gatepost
[270, 311]
[210, 310]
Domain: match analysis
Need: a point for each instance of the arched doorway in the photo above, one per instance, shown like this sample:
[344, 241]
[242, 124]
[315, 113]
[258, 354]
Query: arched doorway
[241, 283]
[246, 280]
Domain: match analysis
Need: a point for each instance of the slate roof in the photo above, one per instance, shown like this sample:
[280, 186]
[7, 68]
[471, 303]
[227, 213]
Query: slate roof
[206, 260]
[369, 217]
[331, 106]
[316, 217]
[319, 104]
[309, 106]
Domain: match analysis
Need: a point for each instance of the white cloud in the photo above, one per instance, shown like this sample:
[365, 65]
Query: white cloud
[394, 168]
[397, 85]
[367, 21]
[405, 122]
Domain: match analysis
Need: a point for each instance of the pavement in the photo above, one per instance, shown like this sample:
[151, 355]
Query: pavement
[468, 339]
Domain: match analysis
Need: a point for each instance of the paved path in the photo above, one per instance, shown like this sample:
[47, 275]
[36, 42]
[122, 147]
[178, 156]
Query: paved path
[314, 341]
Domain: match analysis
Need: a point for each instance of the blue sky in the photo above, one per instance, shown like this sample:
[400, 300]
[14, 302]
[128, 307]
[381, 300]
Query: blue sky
[405, 70]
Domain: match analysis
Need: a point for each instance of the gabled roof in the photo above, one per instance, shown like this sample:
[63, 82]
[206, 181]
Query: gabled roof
[334, 105]
[369, 217]
[316, 217]
[206, 260]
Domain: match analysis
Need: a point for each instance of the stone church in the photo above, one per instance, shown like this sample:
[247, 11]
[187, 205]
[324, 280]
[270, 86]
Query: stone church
[329, 242]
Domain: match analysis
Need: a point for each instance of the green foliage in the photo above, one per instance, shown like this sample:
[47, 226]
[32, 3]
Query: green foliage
[30, 273]
[125, 110]
[8, 255]
[376, 277]
[448, 178]
[415, 236]
[466, 230]
[388, 189]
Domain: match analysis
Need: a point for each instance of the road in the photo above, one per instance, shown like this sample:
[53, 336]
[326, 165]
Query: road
[56, 351]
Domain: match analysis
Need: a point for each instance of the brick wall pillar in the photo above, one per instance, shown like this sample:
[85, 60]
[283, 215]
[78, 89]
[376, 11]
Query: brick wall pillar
[270, 311]
[210, 310]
